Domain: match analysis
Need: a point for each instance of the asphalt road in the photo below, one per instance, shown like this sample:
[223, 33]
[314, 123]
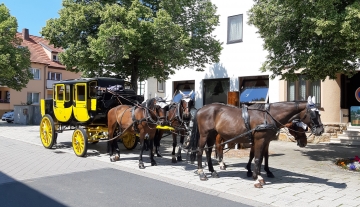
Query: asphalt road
[33, 176]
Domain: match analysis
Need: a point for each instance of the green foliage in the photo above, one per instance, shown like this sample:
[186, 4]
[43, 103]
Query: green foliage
[317, 38]
[14, 59]
[141, 39]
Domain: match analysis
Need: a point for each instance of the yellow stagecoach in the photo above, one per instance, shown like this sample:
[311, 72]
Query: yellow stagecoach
[82, 105]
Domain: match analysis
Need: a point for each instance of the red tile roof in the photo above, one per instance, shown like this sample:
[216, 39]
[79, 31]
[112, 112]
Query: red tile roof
[37, 50]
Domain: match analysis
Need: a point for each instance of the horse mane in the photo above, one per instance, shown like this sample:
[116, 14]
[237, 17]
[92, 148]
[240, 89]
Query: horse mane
[150, 103]
[260, 106]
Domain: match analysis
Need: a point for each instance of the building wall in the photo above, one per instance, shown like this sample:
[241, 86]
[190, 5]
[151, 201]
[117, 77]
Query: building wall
[236, 60]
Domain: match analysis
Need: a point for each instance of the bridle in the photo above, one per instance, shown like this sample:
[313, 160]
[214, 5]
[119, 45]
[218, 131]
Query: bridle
[314, 113]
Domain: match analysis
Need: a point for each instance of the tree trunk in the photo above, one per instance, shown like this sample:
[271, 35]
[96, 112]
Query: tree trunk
[135, 74]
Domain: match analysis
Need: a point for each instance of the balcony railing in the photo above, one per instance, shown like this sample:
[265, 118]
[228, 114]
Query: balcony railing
[49, 83]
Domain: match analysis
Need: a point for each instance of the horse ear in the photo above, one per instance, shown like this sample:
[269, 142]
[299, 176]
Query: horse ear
[155, 95]
[166, 97]
[191, 92]
[181, 92]
[313, 99]
[309, 100]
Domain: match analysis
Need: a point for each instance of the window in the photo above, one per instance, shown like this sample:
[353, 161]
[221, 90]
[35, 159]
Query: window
[216, 90]
[67, 92]
[161, 86]
[55, 58]
[93, 90]
[301, 89]
[235, 29]
[36, 73]
[254, 90]
[33, 98]
[80, 92]
[60, 92]
[54, 76]
[7, 97]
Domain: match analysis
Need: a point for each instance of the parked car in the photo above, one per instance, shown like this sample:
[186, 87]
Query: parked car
[8, 116]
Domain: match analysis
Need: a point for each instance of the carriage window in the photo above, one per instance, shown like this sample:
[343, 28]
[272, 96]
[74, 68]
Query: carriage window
[80, 92]
[67, 93]
[92, 89]
[60, 92]
[301, 89]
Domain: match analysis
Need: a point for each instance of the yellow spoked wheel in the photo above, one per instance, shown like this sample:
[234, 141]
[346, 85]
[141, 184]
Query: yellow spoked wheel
[80, 142]
[47, 131]
[129, 141]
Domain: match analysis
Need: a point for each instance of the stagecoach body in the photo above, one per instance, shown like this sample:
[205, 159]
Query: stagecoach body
[82, 105]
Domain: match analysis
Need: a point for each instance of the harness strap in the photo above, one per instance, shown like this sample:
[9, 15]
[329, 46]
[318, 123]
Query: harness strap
[245, 116]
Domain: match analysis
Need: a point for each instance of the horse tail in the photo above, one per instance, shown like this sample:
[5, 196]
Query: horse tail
[194, 139]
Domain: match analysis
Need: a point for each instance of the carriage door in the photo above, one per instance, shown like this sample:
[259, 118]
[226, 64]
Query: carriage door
[59, 103]
[80, 102]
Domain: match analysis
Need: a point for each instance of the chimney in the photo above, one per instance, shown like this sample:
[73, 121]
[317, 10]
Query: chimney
[25, 33]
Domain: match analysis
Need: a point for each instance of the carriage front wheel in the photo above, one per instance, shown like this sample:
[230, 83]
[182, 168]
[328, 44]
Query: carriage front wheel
[47, 131]
[80, 142]
[129, 141]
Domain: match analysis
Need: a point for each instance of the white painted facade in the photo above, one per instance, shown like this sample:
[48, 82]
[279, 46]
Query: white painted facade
[236, 60]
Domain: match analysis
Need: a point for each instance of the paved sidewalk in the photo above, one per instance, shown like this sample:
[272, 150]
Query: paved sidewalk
[303, 176]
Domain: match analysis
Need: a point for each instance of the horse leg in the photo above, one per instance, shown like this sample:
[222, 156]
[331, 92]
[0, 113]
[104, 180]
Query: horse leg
[142, 148]
[153, 162]
[210, 165]
[266, 167]
[248, 166]
[157, 138]
[173, 159]
[182, 137]
[219, 152]
[200, 170]
[112, 145]
[259, 147]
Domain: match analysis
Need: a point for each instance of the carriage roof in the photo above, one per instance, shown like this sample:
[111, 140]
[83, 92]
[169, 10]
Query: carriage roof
[102, 81]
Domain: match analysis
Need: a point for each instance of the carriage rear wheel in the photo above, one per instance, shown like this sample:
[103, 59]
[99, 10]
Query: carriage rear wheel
[80, 142]
[47, 131]
[129, 141]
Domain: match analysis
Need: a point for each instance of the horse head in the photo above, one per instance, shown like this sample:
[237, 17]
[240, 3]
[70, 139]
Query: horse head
[186, 104]
[161, 108]
[311, 116]
[297, 129]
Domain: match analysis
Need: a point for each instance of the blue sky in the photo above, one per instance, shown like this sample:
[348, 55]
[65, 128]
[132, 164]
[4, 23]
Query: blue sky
[33, 14]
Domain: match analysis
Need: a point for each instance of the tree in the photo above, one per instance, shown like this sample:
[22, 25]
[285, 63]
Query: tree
[137, 38]
[321, 38]
[14, 59]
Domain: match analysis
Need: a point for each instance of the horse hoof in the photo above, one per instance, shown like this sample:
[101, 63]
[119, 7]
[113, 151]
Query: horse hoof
[249, 174]
[112, 159]
[215, 175]
[203, 177]
[173, 160]
[141, 166]
[262, 182]
[117, 158]
[153, 164]
[257, 185]
[270, 175]
[179, 158]
[222, 167]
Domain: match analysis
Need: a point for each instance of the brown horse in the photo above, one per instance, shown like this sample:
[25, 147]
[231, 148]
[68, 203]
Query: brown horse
[296, 129]
[140, 120]
[264, 122]
[178, 117]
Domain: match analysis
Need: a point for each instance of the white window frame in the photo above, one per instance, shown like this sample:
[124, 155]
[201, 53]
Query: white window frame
[33, 71]
[161, 86]
[235, 28]
[32, 97]
[56, 79]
